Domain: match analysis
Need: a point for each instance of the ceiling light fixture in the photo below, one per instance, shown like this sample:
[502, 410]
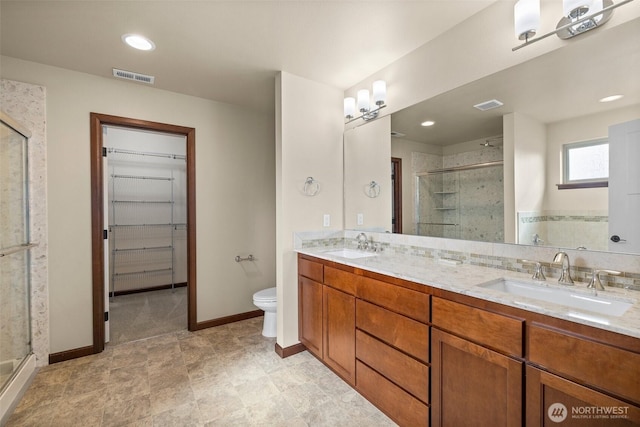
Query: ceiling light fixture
[139, 42]
[611, 98]
[428, 123]
[364, 104]
[579, 17]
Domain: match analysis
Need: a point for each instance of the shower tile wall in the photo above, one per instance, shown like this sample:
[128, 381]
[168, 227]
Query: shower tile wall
[480, 196]
[25, 103]
[422, 162]
[565, 229]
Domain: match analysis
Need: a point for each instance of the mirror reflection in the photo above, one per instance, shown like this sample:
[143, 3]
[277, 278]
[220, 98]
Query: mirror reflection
[489, 167]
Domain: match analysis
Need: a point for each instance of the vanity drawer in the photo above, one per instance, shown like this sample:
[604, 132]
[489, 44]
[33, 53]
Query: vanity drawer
[312, 270]
[608, 368]
[396, 298]
[399, 405]
[496, 331]
[403, 333]
[342, 280]
[403, 370]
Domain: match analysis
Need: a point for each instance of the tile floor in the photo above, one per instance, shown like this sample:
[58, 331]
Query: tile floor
[147, 314]
[223, 376]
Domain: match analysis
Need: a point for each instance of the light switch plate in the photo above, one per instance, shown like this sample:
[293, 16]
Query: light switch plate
[326, 220]
[360, 219]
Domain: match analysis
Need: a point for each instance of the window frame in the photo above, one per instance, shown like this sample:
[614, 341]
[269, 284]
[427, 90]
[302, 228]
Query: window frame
[580, 183]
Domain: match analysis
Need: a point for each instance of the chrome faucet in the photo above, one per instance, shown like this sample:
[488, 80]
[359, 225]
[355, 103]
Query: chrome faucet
[363, 241]
[565, 276]
[595, 282]
[538, 272]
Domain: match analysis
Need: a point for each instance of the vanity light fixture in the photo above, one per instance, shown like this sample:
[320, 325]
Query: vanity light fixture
[579, 17]
[139, 42]
[364, 104]
[428, 123]
[611, 98]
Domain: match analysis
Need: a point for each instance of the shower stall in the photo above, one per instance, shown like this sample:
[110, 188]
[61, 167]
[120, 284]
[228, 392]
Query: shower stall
[461, 202]
[16, 357]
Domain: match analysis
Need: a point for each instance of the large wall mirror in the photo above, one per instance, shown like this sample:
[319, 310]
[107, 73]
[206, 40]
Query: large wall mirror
[492, 174]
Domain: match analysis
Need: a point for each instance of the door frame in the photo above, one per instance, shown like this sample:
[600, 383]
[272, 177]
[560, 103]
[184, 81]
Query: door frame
[98, 120]
[396, 170]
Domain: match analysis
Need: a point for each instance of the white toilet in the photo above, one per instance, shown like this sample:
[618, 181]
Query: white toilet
[266, 300]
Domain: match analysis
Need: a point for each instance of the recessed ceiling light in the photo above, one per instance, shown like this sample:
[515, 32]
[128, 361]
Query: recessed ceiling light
[139, 42]
[611, 98]
[428, 123]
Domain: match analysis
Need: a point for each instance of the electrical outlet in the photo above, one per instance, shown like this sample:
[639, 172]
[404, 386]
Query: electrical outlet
[326, 220]
[360, 219]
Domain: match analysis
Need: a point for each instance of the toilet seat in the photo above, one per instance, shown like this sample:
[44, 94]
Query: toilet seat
[265, 295]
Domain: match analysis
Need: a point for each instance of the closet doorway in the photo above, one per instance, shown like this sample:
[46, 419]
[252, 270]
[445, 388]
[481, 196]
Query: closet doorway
[143, 229]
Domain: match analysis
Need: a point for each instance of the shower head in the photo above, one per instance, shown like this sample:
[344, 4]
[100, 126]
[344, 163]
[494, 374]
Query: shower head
[489, 142]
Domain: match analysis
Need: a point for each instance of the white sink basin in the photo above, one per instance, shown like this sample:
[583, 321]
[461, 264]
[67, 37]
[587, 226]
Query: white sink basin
[350, 253]
[600, 304]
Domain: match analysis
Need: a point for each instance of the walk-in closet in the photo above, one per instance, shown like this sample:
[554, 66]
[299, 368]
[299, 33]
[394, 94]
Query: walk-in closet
[147, 251]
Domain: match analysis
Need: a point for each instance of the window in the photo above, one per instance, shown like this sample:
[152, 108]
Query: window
[585, 164]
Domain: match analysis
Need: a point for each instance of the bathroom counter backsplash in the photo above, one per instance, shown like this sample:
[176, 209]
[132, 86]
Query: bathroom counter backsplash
[445, 273]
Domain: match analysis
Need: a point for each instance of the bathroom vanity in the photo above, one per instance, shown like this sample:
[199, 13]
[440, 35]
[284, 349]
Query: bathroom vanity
[428, 355]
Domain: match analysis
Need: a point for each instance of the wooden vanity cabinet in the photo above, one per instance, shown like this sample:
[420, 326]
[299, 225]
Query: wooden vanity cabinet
[425, 355]
[310, 295]
[339, 333]
[326, 318]
[553, 400]
[374, 334]
[475, 378]
[581, 374]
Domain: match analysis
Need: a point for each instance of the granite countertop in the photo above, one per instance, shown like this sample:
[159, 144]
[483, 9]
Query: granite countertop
[464, 278]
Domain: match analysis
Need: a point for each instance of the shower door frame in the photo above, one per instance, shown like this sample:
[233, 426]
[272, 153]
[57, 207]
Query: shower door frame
[98, 226]
[27, 244]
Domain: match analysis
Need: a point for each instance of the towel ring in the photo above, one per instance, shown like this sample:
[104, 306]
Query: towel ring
[372, 189]
[311, 187]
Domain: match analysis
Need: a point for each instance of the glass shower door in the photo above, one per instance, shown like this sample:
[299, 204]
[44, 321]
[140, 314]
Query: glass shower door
[15, 336]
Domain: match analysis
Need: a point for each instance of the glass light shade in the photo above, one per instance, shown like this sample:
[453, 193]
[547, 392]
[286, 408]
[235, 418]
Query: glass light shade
[526, 14]
[569, 6]
[363, 100]
[379, 92]
[596, 7]
[349, 107]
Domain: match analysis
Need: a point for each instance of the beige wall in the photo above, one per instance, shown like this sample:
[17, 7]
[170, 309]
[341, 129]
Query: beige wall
[474, 49]
[584, 128]
[524, 153]
[308, 143]
[403, 149]
[234, 180]
[367, 158]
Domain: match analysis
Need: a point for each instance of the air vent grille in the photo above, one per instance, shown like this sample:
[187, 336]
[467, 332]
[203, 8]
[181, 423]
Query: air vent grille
[488, 105]
[136, 77]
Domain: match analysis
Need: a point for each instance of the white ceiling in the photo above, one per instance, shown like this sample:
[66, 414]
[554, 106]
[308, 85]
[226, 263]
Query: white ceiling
[560, 85]
[228, 51]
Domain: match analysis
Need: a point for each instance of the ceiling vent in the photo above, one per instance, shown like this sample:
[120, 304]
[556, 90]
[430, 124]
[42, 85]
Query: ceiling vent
[488, 105]
[136, 77]
[396, 134]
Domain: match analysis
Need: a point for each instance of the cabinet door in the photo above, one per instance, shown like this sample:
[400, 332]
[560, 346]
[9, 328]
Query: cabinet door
[553, 401]
[472, 385]
[340, 333]
[310, 315]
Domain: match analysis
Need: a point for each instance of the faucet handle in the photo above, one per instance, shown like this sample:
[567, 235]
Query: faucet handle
[538, 272]
[595, 282]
